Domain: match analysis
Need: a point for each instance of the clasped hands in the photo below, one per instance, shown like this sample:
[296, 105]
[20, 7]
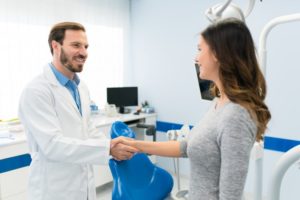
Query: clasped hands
[121, 148]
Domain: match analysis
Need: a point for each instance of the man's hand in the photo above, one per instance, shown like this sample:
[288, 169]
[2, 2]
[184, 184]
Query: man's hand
[121, 151]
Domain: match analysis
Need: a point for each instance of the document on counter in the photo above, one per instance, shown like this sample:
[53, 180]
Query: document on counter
[6, 135]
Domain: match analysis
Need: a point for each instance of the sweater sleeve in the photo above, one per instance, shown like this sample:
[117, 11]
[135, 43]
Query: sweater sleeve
[236, 139]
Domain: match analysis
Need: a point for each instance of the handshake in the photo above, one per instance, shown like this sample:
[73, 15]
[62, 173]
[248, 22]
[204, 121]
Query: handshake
[122, 148]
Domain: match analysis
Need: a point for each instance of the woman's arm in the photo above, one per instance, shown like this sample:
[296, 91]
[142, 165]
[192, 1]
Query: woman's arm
[236, 141]
[168, 149]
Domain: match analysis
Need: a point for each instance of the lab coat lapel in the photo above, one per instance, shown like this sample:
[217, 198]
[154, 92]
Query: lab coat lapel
[65, 94]
[82, 100]
[61, 90]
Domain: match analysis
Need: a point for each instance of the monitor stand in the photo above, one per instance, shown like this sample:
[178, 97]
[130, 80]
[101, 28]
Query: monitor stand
[122, 109]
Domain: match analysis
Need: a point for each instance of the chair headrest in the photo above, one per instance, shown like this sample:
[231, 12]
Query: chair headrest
[119, 128]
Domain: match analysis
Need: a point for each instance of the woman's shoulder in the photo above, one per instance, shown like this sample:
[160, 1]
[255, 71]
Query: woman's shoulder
[235, 110]
[235, 121]
[235, 113]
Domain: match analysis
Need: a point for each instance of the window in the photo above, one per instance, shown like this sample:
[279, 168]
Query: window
[24, 44]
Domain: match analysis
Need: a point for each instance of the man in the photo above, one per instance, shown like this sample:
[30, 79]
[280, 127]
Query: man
[54, 109]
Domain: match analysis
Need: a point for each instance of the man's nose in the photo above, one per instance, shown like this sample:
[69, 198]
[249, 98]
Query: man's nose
[83, 51]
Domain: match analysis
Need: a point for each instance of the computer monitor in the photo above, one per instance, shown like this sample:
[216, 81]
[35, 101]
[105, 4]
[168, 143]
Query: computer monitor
[204, 86]
[122, 96]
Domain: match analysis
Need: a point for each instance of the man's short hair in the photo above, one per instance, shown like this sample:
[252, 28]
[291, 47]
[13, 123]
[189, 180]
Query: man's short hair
[57, 32]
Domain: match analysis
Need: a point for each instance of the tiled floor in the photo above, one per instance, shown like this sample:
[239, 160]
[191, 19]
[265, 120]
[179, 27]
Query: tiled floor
[104, 192]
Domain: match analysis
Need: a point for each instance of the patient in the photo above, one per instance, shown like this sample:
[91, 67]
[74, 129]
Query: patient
[219, 146]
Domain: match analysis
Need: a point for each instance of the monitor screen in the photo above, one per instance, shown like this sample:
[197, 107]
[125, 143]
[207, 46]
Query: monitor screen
[122, 96]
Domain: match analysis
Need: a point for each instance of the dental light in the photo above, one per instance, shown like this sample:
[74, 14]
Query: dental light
[228, 10]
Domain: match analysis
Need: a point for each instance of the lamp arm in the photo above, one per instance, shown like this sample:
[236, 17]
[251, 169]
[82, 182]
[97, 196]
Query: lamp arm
[221, 9]
[264, 34]
[250, 8]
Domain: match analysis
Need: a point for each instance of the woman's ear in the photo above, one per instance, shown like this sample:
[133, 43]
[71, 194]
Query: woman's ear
[215, 57]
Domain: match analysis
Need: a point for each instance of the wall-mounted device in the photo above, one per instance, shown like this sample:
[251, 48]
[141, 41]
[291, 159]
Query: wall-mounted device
[204, 86]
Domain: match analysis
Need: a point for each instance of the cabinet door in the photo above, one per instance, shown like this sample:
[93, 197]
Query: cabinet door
[102, 172]
[14, 183]
[19, 196]
[150, 120]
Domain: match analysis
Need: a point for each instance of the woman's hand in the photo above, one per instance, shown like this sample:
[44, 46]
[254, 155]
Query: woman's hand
[122, 148]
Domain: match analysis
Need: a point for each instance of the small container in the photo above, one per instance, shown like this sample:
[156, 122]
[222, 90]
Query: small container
[94, 108]
[147, 110]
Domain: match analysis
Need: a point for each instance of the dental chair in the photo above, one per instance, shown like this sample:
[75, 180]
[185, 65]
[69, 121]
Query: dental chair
[137, 178]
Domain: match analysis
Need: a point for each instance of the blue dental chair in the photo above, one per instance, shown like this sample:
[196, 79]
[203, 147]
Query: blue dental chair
[137, 178]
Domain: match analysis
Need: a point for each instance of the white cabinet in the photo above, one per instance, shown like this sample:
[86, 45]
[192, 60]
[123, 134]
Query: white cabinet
[102, 172]
[13, 184]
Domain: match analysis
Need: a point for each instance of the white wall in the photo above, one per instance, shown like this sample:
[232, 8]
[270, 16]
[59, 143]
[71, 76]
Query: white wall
[164, 38]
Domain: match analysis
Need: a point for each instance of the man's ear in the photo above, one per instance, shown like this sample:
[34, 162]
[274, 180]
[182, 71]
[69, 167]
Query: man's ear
[54, 45]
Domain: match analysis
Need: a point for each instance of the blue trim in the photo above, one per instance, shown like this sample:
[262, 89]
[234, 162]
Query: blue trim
[9, 164]
[279, 144]
[165, 126]
[270, 143]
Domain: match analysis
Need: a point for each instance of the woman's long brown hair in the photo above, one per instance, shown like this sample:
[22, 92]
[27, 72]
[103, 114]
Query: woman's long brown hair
[240, 75]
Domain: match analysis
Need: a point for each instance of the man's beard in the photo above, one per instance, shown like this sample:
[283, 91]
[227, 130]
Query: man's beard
[66, 62]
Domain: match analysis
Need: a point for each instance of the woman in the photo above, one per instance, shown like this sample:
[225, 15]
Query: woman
[219, 146]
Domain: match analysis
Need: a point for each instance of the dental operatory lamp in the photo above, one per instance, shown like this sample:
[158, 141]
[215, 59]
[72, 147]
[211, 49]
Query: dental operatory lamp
[228, 10]
[264, 34]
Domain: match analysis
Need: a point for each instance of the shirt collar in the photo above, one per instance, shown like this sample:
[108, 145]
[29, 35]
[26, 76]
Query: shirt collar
[62, 79]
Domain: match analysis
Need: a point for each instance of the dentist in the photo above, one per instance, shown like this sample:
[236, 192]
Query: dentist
[54, 109]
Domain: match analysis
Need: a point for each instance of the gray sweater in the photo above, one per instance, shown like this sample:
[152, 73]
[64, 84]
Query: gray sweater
[219, 149]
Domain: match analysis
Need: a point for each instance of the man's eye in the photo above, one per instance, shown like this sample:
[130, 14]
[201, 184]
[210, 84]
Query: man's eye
[76, 45]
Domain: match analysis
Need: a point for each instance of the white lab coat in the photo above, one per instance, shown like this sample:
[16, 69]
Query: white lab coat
[62, 143]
